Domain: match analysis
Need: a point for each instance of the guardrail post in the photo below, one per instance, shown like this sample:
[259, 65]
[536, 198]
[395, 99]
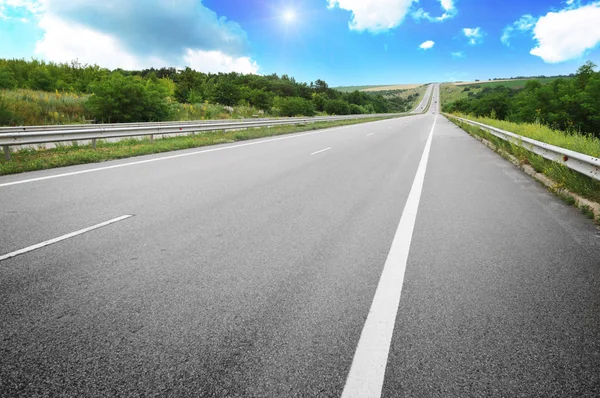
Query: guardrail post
[6, 151]
[93, 143]
[151, 138]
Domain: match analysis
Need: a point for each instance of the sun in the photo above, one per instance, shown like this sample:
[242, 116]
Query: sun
[289, 16]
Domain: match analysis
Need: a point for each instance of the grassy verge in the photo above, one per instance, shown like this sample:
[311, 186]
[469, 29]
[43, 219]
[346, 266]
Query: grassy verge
[68, 155]
[564, 177]
[581, 143]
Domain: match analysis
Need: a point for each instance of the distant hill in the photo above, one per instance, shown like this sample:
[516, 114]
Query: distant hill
[517, 82]
[377, 88]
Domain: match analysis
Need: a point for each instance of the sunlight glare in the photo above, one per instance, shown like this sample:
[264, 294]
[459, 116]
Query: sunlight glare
[289, 16]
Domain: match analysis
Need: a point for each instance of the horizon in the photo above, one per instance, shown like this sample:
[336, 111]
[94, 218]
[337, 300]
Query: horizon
[343, 42]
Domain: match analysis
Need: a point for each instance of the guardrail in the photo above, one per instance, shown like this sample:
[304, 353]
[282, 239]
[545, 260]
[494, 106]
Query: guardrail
[88, 133]
[29, 135]
[584, 164]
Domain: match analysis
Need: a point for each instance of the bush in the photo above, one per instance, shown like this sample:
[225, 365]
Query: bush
[122, 99]
[356, 109]
[6, 116]
[337, 107]
[295, 106]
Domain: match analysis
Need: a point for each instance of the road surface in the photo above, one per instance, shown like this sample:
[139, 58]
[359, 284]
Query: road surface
[251, 269]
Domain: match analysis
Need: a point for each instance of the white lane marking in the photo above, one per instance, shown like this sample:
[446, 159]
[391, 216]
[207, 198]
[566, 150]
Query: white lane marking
[288, 137]
[368, 135]
[60, 238]
[370, 359]
[322, 150]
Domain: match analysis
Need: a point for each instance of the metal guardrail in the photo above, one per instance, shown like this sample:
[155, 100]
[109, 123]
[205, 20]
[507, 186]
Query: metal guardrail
[584, 164]
[34, 136]
[29, 135]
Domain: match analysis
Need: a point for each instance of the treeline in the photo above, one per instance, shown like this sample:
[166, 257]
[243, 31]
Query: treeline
[532, 77]
[150, 94]
[571, 104]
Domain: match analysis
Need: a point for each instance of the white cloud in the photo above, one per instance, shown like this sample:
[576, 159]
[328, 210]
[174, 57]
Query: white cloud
[427, 45]
[523, 24]
[375, 16]
[449, 12]
[65, 40]
[475, 35]
[216, 61]
[567, 34]
[458, 54]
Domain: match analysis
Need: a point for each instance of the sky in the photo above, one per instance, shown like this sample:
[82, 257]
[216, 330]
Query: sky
[344, 42]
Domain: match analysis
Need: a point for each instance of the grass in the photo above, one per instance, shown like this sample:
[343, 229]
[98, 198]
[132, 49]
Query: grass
[68, 155]
[29, 107]
[561, 175]
[512, 83]
[349, 89]
[450, 92]
[581, 143]
[394, 87]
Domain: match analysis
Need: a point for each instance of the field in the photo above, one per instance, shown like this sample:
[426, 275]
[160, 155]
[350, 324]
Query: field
[349, 89]
[394, 87]
[513, 83]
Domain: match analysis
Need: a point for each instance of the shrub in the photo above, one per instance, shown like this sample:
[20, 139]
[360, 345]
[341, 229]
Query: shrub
[295, 106]
[337, 107]
[121, 99]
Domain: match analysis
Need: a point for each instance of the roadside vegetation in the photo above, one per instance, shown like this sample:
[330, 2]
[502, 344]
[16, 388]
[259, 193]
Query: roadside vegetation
[564, 177]
[564, 112]
[35, 93]
[571, 105]
[30, 159]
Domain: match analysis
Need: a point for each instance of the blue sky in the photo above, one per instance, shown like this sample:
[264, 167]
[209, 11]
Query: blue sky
[344, 42]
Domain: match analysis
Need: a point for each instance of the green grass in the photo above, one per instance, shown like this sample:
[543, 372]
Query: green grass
[561, 175]
[349, 89]
[451, 92]
[29, 107]
[68, 155]
[514, 83]
[581, 143]
[587, 211]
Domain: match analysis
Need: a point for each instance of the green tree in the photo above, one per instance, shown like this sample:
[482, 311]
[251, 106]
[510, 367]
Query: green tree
[294, 106]
[121, 99]
[337, 107]
[7, 80]
[227, 93]
[261, 100]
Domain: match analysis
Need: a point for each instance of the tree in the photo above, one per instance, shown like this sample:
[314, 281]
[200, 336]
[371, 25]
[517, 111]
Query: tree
[121, 99]
[7, 79]
[337, 107]
[583, 74]
[294, 106]
[261, 100]
[226, 93]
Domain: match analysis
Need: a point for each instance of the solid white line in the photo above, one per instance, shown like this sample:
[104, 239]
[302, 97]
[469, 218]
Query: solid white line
[370, 359]
[288, 137]
[60, 238]
[368, 135]
[322, 150]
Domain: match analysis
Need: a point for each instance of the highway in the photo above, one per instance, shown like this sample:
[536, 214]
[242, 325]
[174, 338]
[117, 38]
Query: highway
[400, 258]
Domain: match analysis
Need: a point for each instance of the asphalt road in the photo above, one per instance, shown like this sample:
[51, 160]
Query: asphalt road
[249, 269]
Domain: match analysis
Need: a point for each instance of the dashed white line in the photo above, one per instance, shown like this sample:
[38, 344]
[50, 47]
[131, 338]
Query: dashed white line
[368, 135]
[322, 150]
[180, 155]
[367, 372]
[60, 238]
